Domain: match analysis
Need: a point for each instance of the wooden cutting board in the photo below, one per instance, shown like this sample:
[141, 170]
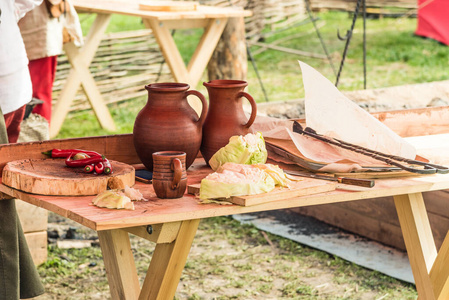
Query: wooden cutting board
[52, 177]
[307, 186]
[168, 5]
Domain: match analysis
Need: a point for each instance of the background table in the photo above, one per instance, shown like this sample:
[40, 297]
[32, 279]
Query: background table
[172, 224]
[212, 19]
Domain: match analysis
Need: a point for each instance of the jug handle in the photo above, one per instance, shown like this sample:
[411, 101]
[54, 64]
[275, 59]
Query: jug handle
[203, 101]
[252, 118]
[176, 167]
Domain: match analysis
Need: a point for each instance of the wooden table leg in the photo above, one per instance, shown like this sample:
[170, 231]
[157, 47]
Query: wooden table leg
[80, 60]
[205, 49]
[200, 58]
[119, 263]
[439, 274]
[167, 264]
[418, 240]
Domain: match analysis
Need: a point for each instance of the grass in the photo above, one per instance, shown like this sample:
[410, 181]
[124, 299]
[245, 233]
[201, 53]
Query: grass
[229, 260]
[287, 270]
[395, 56]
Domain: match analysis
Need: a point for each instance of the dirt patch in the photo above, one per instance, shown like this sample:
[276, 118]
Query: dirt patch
[228, 260]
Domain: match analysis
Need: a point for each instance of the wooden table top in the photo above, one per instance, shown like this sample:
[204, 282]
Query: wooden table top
[155, 211]
[131, 8]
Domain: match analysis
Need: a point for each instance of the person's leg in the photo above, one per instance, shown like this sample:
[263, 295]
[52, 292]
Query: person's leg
[42, 72]
[3, 132]
[12, 122]
[18, 275]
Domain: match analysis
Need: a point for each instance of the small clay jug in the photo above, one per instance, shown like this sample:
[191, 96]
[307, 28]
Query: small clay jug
[225, 117]
[167, 121]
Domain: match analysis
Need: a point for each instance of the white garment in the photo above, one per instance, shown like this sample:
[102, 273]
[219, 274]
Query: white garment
[43, 35]
[15, 82]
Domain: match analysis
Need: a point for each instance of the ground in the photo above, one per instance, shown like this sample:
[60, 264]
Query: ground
[228, 260]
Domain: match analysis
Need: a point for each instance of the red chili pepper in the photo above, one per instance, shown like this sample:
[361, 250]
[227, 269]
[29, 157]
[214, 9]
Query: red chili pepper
[82, 162]
[99, 167]
[107, 166]
[89, 168]
[58, 153]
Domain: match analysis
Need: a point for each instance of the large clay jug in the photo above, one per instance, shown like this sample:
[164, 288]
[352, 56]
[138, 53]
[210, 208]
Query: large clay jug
[168, 123]
[225, 117]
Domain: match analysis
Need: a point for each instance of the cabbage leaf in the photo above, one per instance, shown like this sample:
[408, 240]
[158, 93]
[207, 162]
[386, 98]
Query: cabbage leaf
[249, 149]
[233, 179]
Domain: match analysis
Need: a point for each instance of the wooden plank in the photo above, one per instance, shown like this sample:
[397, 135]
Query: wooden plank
[418, 240]
[156, 211]
[158, 233]
[167, 264]
[169, 50]
[289, 50]
[381, 209]
[119, 263]
[416, 122]
[168, 5]
[204, 51]
[132, 9]
[439, 274]
[81, 66]
[437, 203]
[74, 79]
[376, 219]
[307, 186]
[359, 223]
[37, 243]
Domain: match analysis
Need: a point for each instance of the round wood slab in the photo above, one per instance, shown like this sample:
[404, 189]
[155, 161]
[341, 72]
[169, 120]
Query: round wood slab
[52, 177]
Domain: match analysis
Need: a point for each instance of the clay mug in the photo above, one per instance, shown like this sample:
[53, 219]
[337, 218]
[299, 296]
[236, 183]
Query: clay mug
[225, 116]
[169, 174]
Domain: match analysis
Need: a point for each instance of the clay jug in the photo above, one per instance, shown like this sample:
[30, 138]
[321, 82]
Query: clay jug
[225, 117]
[168, 122]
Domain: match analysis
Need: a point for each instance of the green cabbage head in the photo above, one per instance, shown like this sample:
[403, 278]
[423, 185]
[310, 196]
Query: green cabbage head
[249, 150]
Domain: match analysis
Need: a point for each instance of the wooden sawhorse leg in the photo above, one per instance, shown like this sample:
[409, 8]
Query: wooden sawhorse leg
[170, 255]
[430, 269]
[79, 74]
[190, 74]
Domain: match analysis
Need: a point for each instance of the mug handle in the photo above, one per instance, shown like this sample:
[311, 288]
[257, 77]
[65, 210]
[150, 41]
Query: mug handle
[176, 166]
[203, 101]
[252, 118]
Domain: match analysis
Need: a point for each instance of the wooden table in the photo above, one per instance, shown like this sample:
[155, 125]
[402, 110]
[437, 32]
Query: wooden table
[212, 19]
[172, 224]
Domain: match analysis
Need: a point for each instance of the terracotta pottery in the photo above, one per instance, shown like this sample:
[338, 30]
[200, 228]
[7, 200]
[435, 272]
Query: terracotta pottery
[169, 174]
[225, 117]
[167, 122]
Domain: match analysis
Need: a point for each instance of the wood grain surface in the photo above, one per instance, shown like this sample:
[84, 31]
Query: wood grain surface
[168, 5]
[53, 177]
[306, 186]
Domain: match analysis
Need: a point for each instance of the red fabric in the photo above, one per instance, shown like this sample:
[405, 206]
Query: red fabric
[42, 72]
[433, 20]
[12, 122]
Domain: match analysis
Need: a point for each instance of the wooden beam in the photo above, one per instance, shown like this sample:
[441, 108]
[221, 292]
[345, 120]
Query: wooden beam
[79, 73]
[158, 233]
[167, 264]
[439, 274]
[418, 240]
[119, 263]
